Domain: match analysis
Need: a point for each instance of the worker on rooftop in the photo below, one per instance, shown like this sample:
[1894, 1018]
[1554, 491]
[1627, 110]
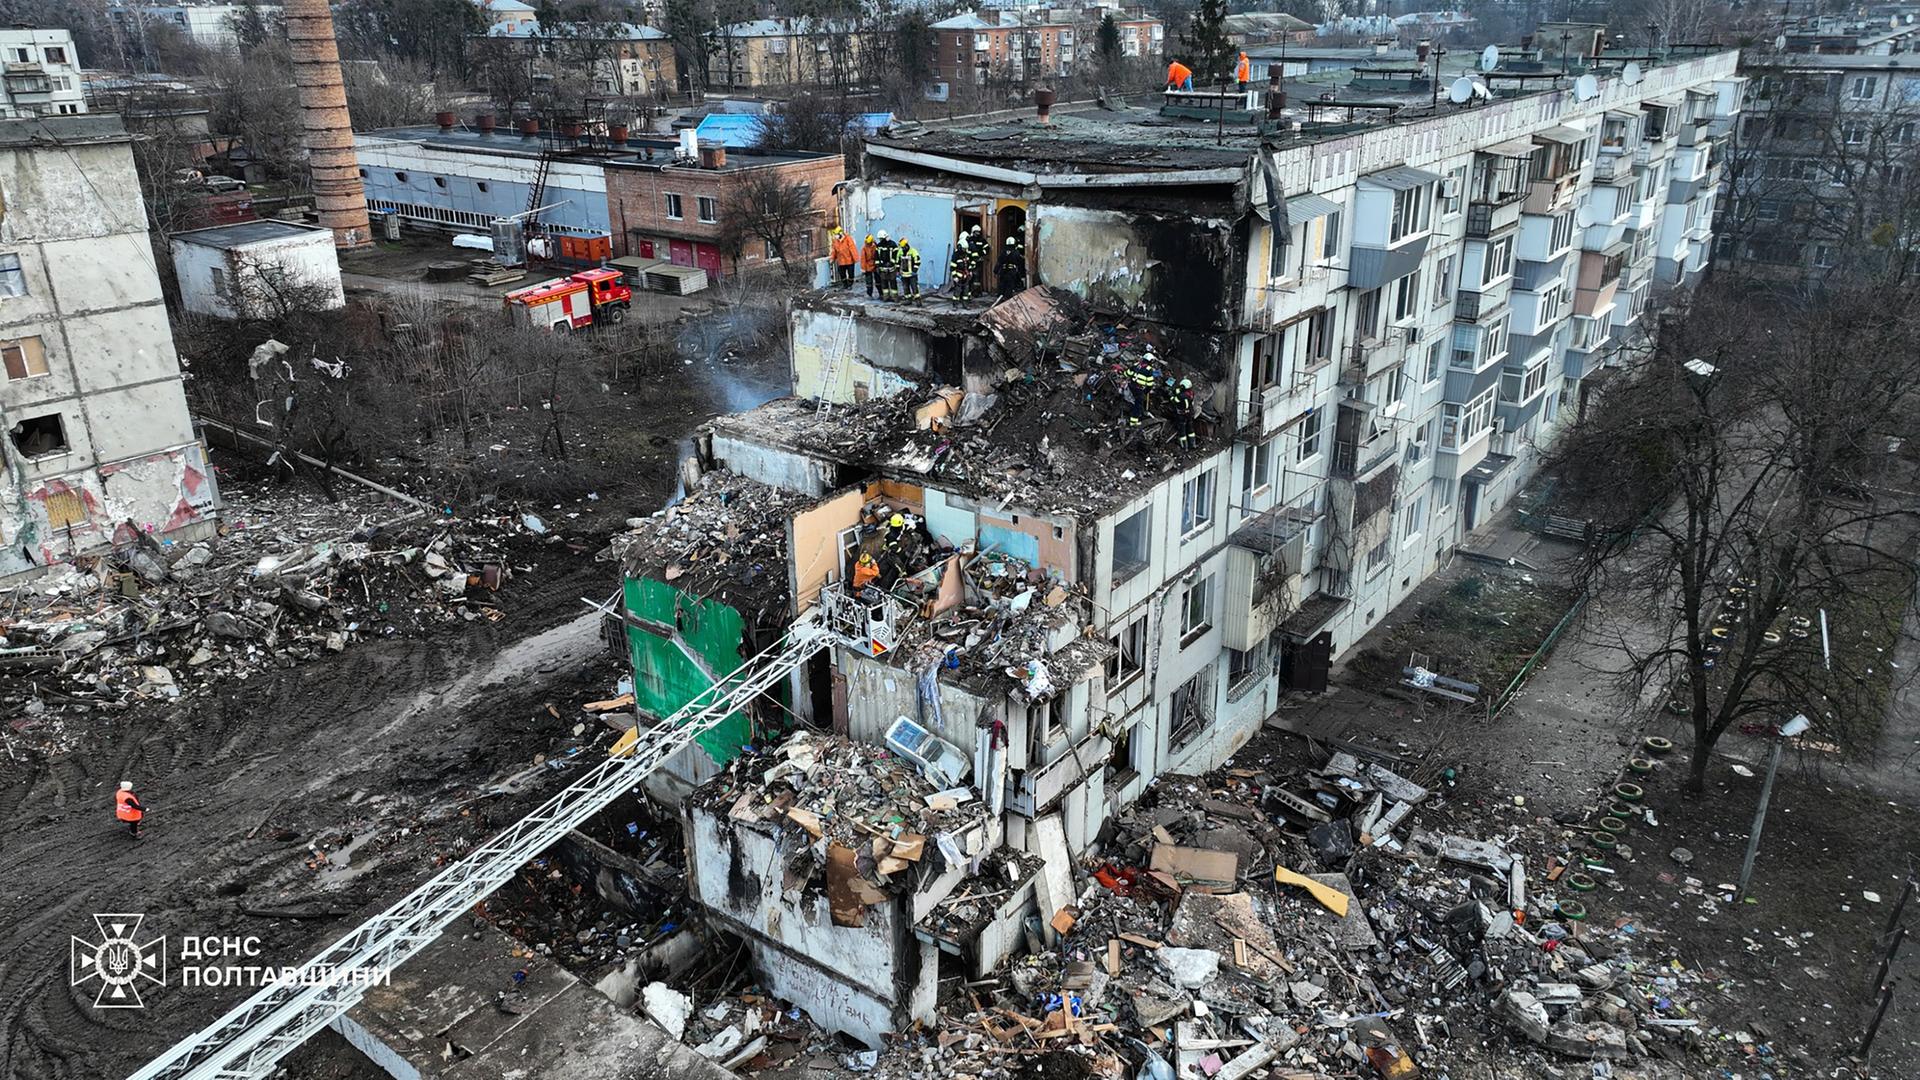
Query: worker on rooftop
[869, 255]
[1179, 76]
[1011, 270]
[843, 255]
[127, 808]
[1243, 71]
[909, 272]
[886, 266]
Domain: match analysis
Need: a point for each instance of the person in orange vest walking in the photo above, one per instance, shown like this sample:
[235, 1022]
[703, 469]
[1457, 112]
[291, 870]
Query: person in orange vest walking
[1179, 76]
[1243, 71]
[126, 807]
[843, 256]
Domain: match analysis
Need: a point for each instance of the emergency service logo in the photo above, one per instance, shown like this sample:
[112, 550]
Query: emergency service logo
[119, 960]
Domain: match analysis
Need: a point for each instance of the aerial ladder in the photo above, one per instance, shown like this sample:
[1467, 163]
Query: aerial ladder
[249, 1040]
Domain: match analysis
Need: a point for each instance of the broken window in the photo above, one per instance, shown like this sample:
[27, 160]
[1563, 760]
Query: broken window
[1120, 767]
[1266, 360]
[1196, 503]
[1130, 546]
[1244, 667]
[13, 278]
[1196, 608]
[1131, 657]
[37, 435]
[24, 358]
[1192, 707]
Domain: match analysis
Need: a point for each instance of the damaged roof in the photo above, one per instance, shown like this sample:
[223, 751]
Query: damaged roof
[726, 540]
[1110, 140]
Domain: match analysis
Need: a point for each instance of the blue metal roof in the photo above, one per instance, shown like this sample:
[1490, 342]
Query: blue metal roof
[742, 130]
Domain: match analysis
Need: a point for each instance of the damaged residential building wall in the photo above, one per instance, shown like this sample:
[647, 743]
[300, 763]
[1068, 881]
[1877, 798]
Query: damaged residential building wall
[98, 440]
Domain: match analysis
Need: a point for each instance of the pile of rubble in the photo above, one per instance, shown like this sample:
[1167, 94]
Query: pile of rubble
[154, 622]
[1301, 927]
[725, 539]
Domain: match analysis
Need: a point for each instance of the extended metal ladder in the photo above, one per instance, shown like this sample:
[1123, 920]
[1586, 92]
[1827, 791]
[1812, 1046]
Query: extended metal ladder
[838, 353]
[248, 1041]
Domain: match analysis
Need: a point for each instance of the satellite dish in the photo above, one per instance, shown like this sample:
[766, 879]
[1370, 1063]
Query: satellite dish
[1586, 88]
[1460, 91]
[1490, 58]
[1780, 43]
[1583, 215]
[1631, 74]
[1480, 91]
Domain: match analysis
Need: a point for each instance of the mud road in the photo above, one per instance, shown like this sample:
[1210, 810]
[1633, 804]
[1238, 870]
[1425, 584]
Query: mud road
[392, 743]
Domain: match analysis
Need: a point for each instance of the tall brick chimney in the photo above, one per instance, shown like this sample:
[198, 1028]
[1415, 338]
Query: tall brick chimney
[337, 194]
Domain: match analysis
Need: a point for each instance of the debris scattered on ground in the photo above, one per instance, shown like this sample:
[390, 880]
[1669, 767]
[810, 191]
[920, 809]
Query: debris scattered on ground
[154, 622]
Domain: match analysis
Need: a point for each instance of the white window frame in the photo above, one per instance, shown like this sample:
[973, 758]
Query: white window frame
[675, 208]
[1196, 608]
[1307, 446]
[709, 209]
[1197, 496]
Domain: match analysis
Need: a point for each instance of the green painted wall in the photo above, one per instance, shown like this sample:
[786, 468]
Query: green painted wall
[664, 679]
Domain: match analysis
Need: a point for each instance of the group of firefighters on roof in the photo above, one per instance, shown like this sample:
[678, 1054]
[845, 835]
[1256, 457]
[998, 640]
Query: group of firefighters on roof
[1180, 76]
[891, 268]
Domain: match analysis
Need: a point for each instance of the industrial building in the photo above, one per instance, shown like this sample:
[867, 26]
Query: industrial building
[1076, 587]
[256, 270]
[99, 448]
[656, 199]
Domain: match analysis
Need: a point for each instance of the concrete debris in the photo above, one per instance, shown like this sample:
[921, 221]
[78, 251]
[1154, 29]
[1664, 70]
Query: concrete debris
[667, 1007]
[152, 621]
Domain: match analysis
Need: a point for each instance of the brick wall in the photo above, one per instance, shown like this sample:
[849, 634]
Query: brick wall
[639, 208]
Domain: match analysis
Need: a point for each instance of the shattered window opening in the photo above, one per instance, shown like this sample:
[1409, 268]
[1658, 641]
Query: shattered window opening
[37, 436]
[1192, 707]
[1129, 659]
[13, 278]
[1130, 546]
[1196, 503]
[24, 358]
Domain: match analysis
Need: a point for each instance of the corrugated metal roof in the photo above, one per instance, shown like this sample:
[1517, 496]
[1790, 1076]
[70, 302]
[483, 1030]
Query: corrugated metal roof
[1304, 208]
[1400, 178]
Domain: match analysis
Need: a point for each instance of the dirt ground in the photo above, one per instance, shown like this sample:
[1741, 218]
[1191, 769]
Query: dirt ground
[393, 756]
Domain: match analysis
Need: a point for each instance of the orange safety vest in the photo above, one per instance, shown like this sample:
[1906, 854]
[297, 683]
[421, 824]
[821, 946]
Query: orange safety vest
[1245, 70]
[126, 807]
[1178, 73]
[843, 250]
[864, 572]
[868, 256]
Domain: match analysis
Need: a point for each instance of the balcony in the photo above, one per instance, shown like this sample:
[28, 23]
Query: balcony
[1552, 196]
[1611, 166]
[1363, 441]
[1485, 220]
[1263, 578]
[1371, 356]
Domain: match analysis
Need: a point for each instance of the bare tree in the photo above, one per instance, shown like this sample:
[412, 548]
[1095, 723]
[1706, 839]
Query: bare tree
[760, 205]
[1741, 478]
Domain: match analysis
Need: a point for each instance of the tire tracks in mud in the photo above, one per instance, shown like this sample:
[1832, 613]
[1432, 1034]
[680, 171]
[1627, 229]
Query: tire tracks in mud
[353, 739]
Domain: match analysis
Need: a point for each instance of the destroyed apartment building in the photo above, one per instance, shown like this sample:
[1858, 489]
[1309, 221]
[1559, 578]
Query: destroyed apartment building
[1274, 363]
[99, 448]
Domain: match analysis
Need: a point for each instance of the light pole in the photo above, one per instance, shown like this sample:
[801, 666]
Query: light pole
[1794, 727]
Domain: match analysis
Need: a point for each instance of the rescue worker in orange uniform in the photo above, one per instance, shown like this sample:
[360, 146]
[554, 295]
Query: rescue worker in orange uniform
[1179, 76]
[126, 807]
[869, 257]
[865, 571]
[843, 256]
[1243, 71]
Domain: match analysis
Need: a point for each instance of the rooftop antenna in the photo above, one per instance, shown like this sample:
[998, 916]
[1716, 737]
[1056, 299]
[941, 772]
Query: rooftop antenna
[1586, 88]
[1631, 74]
[1490, 58]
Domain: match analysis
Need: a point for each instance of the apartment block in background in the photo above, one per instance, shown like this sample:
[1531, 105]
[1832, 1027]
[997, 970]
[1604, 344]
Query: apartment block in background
[1036, 42]
[39, 74]
[98, 445]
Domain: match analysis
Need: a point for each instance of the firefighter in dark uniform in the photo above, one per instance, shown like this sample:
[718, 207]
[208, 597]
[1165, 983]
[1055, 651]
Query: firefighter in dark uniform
[1011, 270]
[887, 267]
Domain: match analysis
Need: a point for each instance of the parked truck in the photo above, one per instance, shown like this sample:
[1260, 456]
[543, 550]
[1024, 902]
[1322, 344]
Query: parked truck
[572, 302]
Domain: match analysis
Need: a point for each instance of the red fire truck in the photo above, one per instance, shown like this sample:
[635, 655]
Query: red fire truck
[572, 302]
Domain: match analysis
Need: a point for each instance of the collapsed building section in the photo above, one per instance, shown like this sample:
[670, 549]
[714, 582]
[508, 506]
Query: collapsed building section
[1245, 375]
